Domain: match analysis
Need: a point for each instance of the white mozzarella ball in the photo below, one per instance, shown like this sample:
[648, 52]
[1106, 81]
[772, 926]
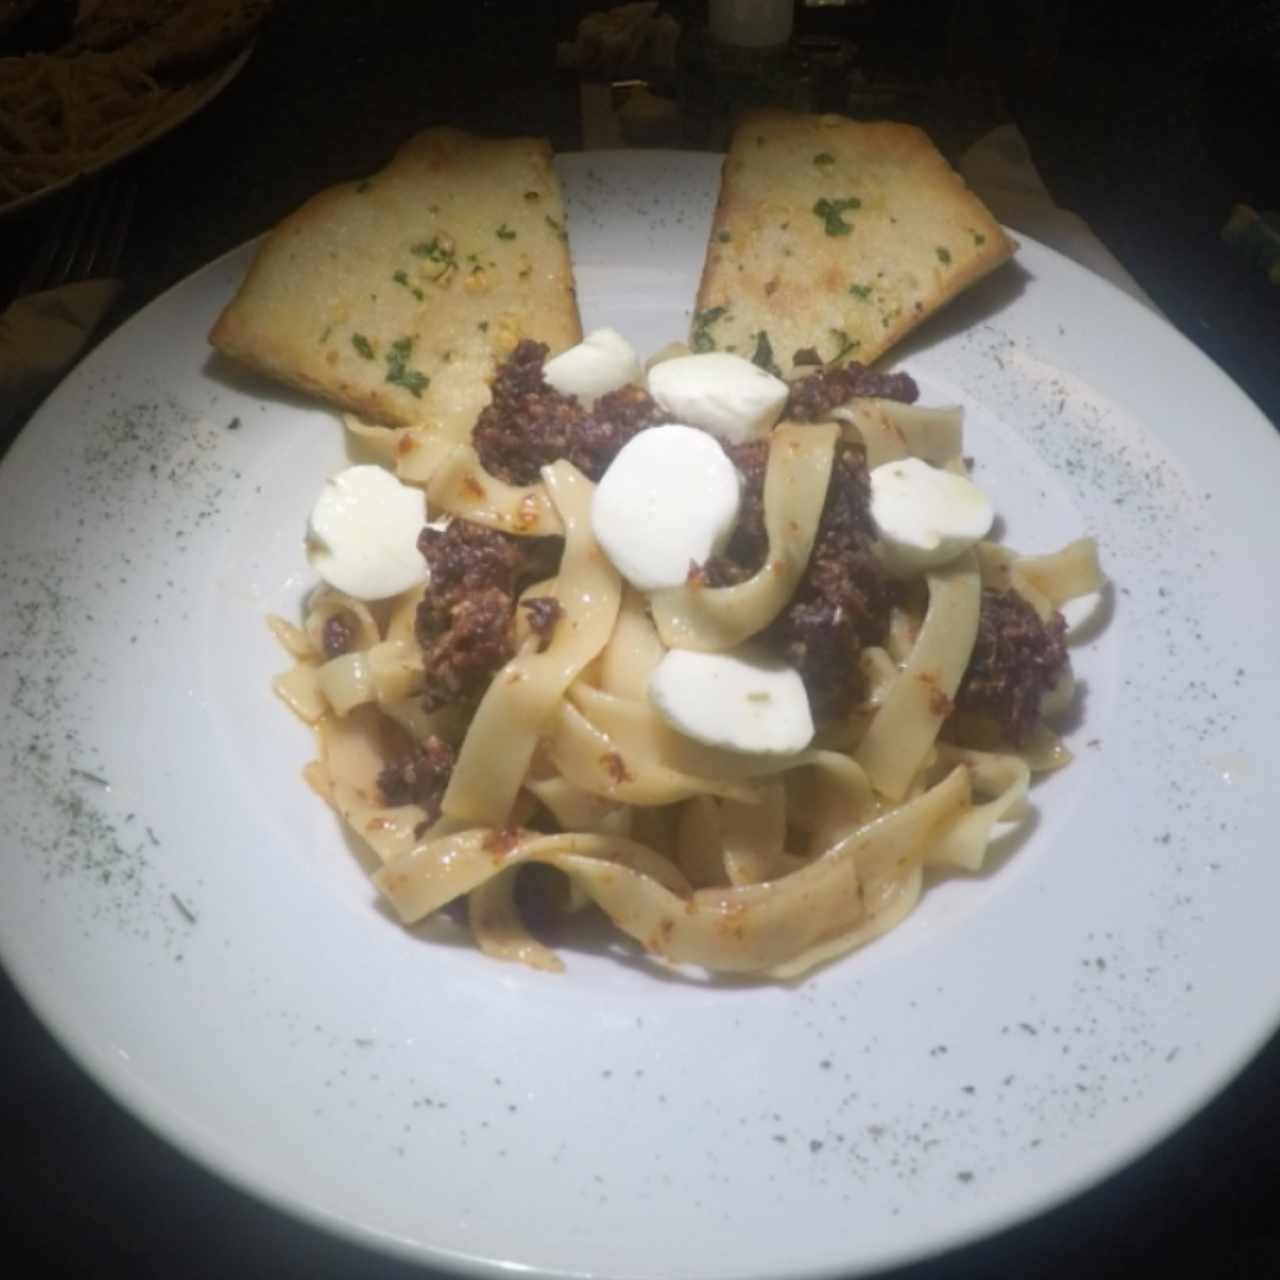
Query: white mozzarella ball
[603, 361]
[669, 500]
[720, 392]
[741, 700]
[925, 516]
[362, 538]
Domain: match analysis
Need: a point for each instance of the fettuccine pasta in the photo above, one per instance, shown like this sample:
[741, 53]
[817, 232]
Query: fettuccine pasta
[560, 784]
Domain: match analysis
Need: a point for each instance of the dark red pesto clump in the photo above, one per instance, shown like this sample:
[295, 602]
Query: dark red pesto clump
[420, 777]
[465, 557]
[544, 612]
[615, 418]
[337, 634]
[529, 424]
[1016, 660]
[464, 621]
[814, 396]
[748, 545]
[842, 601]
[461, 659]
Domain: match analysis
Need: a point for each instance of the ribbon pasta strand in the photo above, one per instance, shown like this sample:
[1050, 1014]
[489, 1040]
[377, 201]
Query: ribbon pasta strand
[693, 616]
[524, 695]
[920, 699]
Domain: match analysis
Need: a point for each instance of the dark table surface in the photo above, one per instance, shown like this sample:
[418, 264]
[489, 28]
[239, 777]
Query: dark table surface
[1150, 128]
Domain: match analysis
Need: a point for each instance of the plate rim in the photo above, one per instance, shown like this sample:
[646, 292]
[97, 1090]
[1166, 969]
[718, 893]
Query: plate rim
[173, 1129]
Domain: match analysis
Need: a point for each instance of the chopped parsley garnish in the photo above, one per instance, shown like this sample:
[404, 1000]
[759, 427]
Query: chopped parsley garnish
[532, 195]
[483, 326]
[434, 251]
[724, 237]
[861, 291]
[401, 278]
[763, 354]
[701, 340]
[556, 227]
[830, 210]
[362, 345]
[845, 345]
[979, 238]
[398, 371]
[824, 157]
[411, 380]
[504, 232]
[944, 255]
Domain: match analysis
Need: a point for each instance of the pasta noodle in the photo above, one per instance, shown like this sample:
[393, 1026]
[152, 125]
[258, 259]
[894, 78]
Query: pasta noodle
[920, 697]
[696, 617]
[61, 116]
[705, 856]
[501, 740]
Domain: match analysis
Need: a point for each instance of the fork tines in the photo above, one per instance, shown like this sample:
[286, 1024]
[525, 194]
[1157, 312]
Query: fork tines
[87, 237]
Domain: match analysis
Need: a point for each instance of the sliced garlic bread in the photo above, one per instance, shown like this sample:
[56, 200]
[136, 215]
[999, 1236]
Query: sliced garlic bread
[395, 297]
[834, 238]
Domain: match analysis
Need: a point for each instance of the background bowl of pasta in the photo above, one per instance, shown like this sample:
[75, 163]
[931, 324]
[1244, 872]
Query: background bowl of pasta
[197, 929]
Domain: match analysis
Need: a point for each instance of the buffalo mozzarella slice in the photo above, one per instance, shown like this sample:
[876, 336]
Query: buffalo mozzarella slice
[926, 516]
[603, 361]
[720, 392]
[740, 700]
[362, 538]
[669, 500]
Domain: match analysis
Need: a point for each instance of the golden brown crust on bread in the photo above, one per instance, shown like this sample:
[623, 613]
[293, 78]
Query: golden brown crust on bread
[396, 297]
[836, 235]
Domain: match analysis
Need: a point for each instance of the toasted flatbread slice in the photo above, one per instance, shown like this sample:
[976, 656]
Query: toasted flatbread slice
[835, 236]
[395, 297]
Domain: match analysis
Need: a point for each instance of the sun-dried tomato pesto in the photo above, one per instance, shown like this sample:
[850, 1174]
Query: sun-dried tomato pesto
[464, 623]
[337, 635]
[530, 424]
[814, 396]
[842, 601]
[543, 613]
[1016, 660]
[420, 777]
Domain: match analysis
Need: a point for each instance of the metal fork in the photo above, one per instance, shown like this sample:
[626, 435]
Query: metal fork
[87, 236]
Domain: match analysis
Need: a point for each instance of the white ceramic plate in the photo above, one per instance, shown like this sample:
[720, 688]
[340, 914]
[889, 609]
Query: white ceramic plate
[186, 917]
[210, 87]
